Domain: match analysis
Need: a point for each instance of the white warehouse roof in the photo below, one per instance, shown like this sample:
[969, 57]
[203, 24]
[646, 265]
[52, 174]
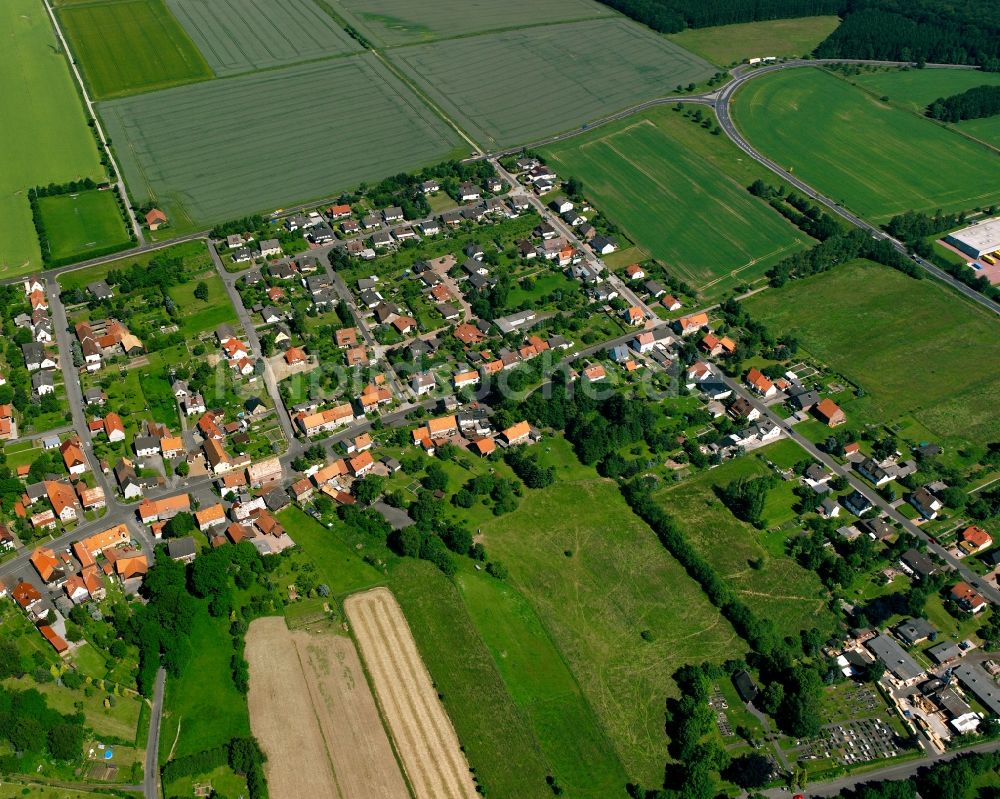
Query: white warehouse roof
[977, 240]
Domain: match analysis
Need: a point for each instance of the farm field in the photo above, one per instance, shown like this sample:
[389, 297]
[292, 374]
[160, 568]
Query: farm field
[45, 133]
[243, 35]
[131, 46]
[493, 730]
[729, 44]
[395, 22]
[615, 64]
[875, 159]
[915, 89]
[79, 225]
[575, 745]
[780, 590]
[867, 321]
[595, 602]
[177, 149]
[680, 193]
[422, 731]
[314, 714]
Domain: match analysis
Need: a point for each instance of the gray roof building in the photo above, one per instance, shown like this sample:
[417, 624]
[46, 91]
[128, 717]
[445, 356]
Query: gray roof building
[976, 680]
[895, 658]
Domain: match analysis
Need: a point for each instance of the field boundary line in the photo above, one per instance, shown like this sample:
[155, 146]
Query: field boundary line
[98, 127]
[477, 150]
[313, 705]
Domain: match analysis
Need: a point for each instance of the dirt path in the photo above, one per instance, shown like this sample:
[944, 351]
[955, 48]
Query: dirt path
[424, 736]
[316, 719]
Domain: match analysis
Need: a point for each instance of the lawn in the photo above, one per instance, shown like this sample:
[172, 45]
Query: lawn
[200, 316]
[869, 323]
[731, 44]
[131, 46]
[773, 586]
[597, 578]
[244, 35]
[119, 721]
[79, 225]
[495, 733]
[395, 22]
[680, 193]
[202, 708]
[45, 134]
[875, 159]
[612, 65]
[337, 564]
[197, 150]
[194, 253]
[572, 740]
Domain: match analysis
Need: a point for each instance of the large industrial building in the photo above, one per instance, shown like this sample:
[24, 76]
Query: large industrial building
[977, 240]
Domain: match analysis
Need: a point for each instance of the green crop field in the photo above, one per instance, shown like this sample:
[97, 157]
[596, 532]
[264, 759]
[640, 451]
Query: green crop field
[131, 46]
[680, 193]
[917, 349]
[875, 159]
[494, 733]
[245, 35]
[200, 151]
[45, 134]
[597, 578]
[915, 89]
[730, 44]
[780, 589]
[394, 22]
[575, 745]
[80, 224]
[519, 86]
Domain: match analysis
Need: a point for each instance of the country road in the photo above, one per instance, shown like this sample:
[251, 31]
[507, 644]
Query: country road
[151, 781]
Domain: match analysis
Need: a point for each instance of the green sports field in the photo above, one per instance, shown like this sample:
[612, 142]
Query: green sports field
[780, 590]
[221, 149]
[80, 224]
[915, 89]
[130, 46]
[518, 86]
[597, 578]
[730, 44]
[245, 35]
[920, 351]
[45, 134]
[680, 193]
[394, 22]
[875, 159]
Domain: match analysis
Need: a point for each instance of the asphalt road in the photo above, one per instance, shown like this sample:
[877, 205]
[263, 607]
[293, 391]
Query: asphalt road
[151, 780]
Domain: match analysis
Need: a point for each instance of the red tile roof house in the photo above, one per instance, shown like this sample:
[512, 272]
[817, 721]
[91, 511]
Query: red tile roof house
[828, 412]
[756, 380]
[967, 598]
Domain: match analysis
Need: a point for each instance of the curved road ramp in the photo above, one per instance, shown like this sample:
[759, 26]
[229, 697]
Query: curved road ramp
[315, 717]
[420, 727]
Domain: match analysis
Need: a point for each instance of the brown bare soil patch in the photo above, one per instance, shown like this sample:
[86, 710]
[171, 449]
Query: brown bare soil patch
[315, 717]
[423, 733]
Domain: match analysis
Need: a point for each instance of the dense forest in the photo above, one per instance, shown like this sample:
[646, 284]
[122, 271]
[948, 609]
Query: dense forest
[945, 31]
[977, 102]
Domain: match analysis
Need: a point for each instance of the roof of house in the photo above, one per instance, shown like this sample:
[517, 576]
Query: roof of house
[181, 547]
[213, 513]
[517, 431]
[976, 536]
[827, 409]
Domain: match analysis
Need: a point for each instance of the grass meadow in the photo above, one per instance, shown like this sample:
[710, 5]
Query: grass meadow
[202, 316]
[875, 159]
[244, 35]
[780, 589]
[495, 734]
[916, 348]
[131, 46]
[194, 253]
[203, 708]
[680, 193]
[732, 44]
[574, 743]
[395, 22]
[79, 224]
[597, 578]
[199, 151]
[518, 86]
[915, 89]
[45, 133]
